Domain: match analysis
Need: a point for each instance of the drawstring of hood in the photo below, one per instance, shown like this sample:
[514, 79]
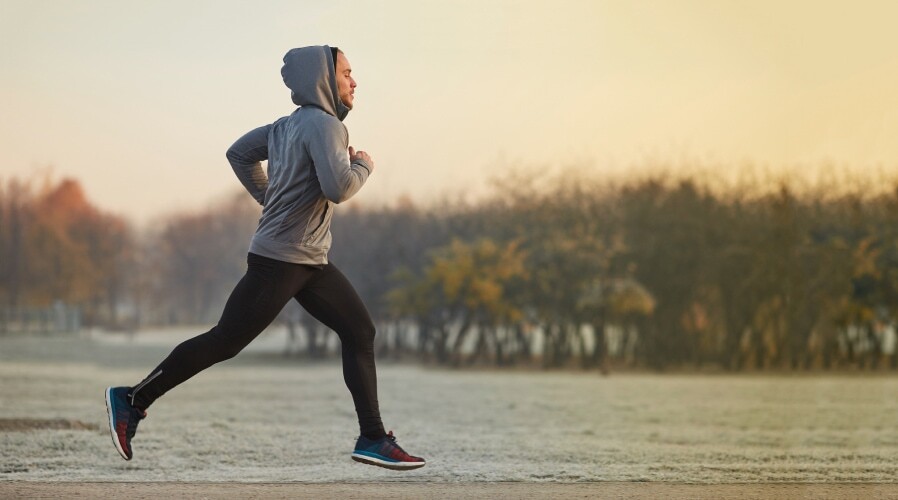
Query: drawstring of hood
[310, 74]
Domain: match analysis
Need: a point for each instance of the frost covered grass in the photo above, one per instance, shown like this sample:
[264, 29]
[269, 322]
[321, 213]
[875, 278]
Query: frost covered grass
[260, 417]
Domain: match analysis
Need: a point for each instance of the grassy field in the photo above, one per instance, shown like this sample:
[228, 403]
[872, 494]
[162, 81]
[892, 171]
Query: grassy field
[263, 418]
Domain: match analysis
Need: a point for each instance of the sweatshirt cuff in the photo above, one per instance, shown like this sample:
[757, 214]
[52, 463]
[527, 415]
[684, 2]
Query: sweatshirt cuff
[362, 163]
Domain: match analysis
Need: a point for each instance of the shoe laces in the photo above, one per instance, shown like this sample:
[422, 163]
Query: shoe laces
[137, 415]
[392, 439]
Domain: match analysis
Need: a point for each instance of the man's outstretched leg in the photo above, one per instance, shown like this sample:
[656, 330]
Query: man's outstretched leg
[331, 299]
[255, 302]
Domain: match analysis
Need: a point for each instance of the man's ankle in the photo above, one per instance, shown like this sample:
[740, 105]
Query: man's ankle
[374, 435]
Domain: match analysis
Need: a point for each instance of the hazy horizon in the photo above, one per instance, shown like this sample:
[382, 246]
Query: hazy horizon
[140, 102]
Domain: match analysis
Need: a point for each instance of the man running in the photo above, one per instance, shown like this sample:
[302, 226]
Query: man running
[311, 167]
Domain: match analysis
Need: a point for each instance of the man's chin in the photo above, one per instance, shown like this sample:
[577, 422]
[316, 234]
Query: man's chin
[347, 104]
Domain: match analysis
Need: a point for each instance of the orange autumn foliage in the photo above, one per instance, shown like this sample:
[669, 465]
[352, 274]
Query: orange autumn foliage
[55, 245]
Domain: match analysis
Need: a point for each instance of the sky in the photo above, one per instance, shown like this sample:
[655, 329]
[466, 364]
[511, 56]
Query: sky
[140, 100]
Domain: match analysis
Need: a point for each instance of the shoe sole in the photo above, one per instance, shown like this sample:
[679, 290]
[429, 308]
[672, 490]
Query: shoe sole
[110, 412]
[387, 465]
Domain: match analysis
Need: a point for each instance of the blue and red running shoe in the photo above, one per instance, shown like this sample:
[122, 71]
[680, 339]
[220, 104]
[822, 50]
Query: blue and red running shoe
[123, 419]
[384, 452]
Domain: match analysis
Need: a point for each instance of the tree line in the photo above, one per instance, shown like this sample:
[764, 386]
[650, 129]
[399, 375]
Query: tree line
[657, 272]
[57, 247]
[661, 272]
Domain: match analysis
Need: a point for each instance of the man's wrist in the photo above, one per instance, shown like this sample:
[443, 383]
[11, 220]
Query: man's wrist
[362, 163]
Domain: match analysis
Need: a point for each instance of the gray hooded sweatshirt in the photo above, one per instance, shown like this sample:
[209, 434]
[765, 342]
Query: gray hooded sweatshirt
[308, 163]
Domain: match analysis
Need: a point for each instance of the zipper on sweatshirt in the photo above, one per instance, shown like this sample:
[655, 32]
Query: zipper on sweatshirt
[314, 233]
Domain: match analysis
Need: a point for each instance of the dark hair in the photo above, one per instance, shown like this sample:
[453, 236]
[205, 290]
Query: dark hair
[334, 51]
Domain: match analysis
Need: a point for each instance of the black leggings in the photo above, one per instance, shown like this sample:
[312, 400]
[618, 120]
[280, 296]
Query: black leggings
[255, 302]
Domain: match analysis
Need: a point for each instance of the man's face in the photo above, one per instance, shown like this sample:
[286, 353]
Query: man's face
[345, 84]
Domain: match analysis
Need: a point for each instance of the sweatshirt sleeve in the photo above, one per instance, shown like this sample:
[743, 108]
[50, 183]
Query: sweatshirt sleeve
[328, 146]
[245, 157]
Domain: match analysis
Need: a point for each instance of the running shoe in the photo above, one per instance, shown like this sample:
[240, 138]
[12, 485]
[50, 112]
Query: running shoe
[123, 419]
[384, 452]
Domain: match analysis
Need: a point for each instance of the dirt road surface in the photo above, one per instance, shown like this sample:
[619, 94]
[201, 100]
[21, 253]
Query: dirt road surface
[611, 490]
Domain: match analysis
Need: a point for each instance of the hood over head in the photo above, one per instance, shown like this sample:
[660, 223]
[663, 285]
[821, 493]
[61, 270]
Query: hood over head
[309, 74]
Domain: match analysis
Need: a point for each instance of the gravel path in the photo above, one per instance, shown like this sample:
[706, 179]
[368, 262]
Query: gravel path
[457, 491]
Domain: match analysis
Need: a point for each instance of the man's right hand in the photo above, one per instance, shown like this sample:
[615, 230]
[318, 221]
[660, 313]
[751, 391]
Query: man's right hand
[361, 155]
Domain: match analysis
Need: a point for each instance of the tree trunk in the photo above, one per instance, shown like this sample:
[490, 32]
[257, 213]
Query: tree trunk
[600, 348]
